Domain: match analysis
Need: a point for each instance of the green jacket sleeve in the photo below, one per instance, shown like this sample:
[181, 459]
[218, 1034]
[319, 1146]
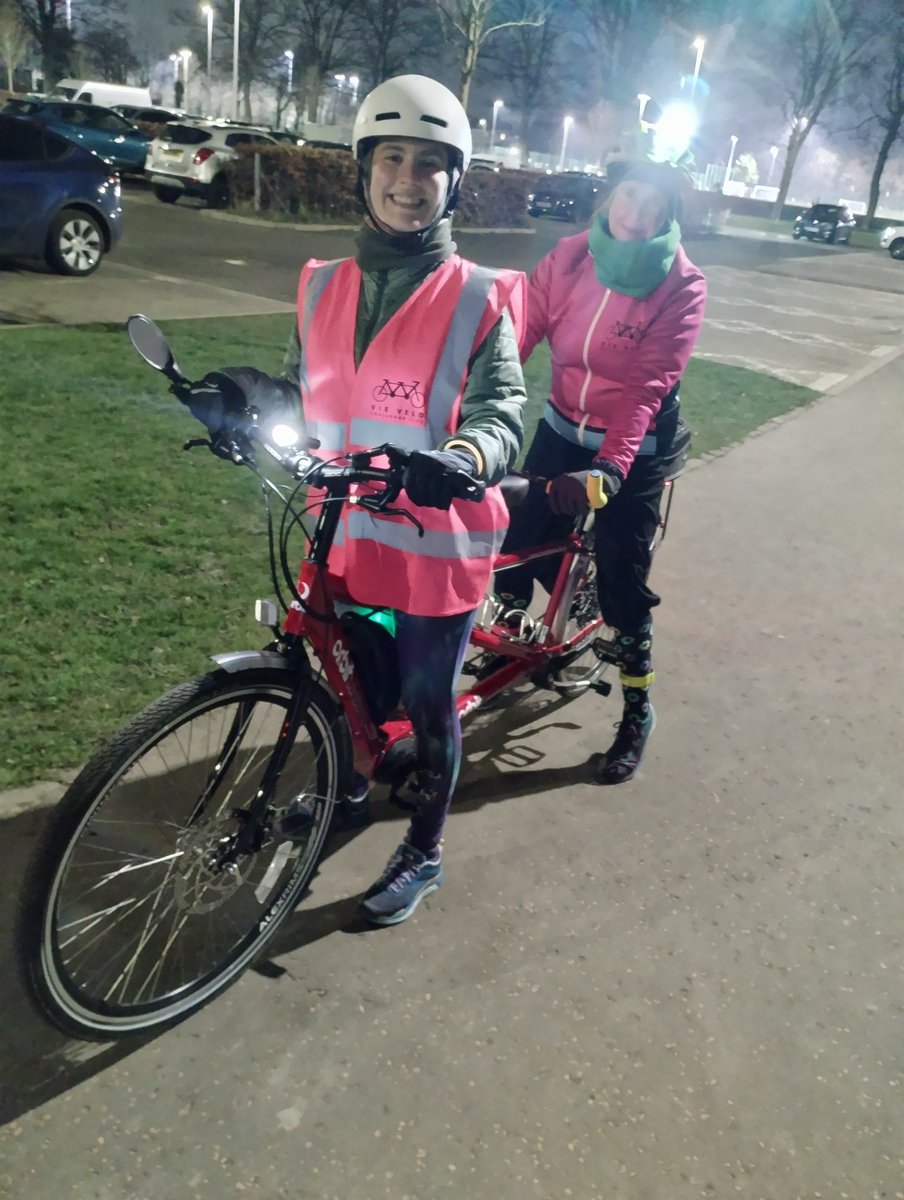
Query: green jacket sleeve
[491, 417]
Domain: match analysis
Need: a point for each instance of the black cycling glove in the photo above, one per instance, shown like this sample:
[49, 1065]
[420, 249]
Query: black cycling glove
[429, 477]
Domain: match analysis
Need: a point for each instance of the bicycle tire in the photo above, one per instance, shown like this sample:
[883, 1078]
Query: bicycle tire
[579, 610]
[148, 817]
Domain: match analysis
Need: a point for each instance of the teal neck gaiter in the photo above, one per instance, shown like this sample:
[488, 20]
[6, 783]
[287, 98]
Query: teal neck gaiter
[632, 268]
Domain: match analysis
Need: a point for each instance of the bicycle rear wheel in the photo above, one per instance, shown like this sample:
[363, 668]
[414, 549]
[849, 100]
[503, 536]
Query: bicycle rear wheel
[579, 618]
[138, 907]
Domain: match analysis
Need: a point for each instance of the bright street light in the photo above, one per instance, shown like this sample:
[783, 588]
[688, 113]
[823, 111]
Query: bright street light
[566, 125]
[497, 104]
[697, 44]
[207, 10]
[236, 19]
[642, 101]
[734, 141]
[354, 81]
[290, 55]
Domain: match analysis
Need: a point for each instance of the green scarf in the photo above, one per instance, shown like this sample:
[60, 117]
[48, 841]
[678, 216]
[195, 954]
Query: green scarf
[632, 268]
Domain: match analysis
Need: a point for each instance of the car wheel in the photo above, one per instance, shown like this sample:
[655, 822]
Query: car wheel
[168, 195]
[896, 249]
[829, 236]
[796, 234]
[218, 193]
[75, 243]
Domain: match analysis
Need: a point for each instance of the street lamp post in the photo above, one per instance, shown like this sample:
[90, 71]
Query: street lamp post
[354, 81]
[773, 151]
[497, 104]
[185, 55]
[642, 101]
[734, 141]
[566, 125]
[697, 44]
[236, 17]
[207, 10]
[290, 55]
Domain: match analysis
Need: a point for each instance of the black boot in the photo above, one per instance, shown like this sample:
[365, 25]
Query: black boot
[621, 760]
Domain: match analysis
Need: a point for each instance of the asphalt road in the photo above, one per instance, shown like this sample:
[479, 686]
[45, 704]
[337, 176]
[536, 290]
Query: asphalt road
[688, 988]
[807, 313]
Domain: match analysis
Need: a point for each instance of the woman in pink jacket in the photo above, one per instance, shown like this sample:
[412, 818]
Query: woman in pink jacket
[621, 306]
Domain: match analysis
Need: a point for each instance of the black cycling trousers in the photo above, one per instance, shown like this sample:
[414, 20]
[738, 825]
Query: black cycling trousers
[624, 530]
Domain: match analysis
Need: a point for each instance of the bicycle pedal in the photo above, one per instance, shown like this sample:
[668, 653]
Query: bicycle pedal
[605, 650]
[602, 686]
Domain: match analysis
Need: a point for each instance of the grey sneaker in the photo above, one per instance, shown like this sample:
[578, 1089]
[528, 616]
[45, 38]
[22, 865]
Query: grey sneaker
[408, 878]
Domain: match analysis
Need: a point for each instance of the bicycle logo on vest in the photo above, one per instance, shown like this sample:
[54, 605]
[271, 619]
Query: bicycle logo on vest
[396, 400]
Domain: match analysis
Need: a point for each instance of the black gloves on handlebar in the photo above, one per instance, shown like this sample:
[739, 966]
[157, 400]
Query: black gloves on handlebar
[572, 494]
[222, 399]
[432, 478]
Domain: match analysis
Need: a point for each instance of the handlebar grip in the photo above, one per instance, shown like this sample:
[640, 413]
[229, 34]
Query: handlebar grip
[468, 488]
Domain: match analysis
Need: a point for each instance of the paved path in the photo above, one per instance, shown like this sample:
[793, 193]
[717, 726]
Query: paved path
[688, 987]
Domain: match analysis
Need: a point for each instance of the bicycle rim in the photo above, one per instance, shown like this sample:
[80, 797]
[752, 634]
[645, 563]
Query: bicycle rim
[147, 913]
[579, 620]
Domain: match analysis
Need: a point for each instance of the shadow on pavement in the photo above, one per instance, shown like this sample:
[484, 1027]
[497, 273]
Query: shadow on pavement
[38, 1062]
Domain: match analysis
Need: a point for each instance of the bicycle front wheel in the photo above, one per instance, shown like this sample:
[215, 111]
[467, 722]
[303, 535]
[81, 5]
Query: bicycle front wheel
[138, 906]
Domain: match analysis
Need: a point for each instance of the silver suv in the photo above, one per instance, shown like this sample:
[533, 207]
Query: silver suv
[189, 157]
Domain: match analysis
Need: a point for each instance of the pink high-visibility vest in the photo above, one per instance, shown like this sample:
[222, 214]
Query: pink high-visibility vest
[406, 390]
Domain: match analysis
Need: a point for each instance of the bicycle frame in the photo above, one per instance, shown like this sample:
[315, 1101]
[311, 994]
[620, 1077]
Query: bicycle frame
[370, 741]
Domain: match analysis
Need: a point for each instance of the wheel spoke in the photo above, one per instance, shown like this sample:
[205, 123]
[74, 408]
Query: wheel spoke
[152, 908]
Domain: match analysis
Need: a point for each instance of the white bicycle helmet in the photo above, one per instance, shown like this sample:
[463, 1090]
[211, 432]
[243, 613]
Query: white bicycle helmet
[413, 106]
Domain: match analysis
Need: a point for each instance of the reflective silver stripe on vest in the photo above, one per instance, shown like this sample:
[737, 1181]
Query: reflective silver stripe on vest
[453, 363]
[436, 543]
[330, 434]
[375, 433]
[592, 439]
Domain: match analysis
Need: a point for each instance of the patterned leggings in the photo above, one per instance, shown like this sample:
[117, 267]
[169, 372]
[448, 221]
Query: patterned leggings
[431, 651]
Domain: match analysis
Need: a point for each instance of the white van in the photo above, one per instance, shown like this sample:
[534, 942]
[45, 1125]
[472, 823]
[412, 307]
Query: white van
[91, 91]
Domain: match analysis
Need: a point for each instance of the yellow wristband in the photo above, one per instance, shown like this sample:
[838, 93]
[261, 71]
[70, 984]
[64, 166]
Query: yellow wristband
[596, 495]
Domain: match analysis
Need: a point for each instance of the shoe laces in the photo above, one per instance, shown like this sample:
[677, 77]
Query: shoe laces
[402, 867]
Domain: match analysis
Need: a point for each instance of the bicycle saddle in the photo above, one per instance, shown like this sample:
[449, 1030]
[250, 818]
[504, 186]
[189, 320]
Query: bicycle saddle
[514, 489]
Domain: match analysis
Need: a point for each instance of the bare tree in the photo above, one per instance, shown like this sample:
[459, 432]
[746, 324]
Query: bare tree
[623, 33]
[14, 38]
[812, 50]
[389, 34]
[477, 20]
[318, 27]
[526, 58]
[40, 17]
[105, 40]
[886, 83]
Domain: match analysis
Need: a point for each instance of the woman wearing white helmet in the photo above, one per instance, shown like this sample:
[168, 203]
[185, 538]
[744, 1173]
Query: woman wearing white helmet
[410, 344]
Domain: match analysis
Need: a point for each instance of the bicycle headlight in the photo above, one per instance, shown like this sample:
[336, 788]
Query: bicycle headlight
[284, 436]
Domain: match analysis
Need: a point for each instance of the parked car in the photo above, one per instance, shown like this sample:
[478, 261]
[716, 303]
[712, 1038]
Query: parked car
[824, 223]
[189, 159]
[154, 114]
[892, 240]
[571, 196]
[95, 128]
[58, 201]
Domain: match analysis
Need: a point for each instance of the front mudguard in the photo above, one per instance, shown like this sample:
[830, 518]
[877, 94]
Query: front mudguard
[250, 660]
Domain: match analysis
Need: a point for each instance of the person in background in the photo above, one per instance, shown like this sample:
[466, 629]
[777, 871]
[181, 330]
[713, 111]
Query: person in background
[621, 305]
[408, 343]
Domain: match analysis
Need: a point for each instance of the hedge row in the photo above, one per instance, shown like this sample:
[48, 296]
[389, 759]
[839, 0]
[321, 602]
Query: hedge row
[319, 185]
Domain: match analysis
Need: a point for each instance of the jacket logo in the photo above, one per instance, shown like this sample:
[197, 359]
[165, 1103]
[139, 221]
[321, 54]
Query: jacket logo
[391, 389]
[622, 329]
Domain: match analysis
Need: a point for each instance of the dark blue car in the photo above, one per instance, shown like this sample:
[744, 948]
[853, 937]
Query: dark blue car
[91, 126]
[57, 201]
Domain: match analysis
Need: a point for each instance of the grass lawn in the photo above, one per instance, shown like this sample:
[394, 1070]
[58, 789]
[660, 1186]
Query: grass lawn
[125, 561]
